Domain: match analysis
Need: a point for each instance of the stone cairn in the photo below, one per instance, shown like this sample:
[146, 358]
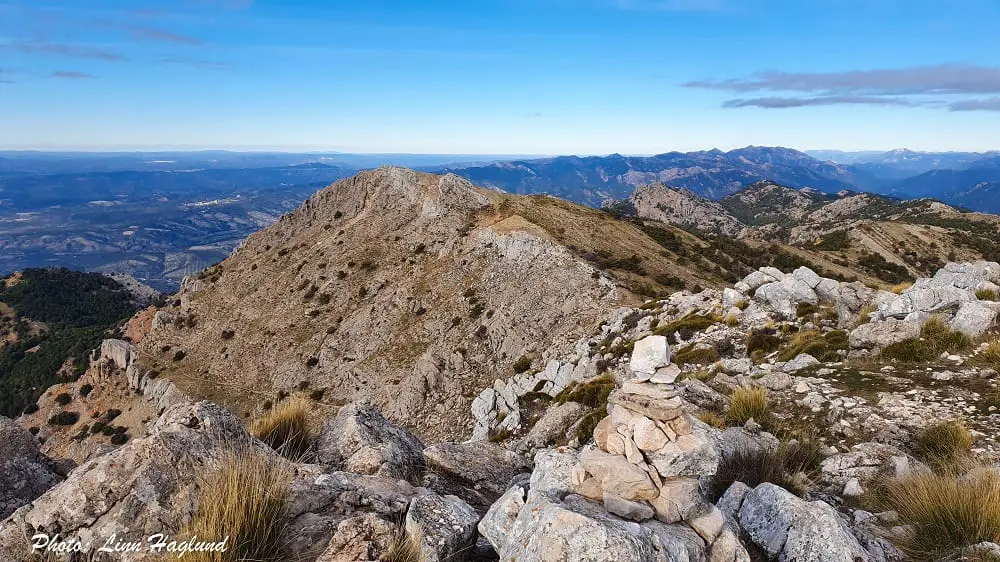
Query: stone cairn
[650, 454]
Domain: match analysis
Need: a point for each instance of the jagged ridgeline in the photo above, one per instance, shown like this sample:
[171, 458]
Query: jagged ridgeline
[50, 320]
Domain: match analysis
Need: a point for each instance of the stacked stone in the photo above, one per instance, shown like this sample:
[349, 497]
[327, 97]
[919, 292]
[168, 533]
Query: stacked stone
[649, 454]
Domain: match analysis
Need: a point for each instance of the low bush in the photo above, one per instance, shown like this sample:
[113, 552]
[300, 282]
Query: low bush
[245, 501]
[746, 404]
[119, 439]
[63, 398]
[179, 355]
[522, 364]
[806, 309]
[986, 295]
[285, 429]
[86, 389]
[692, 355]
[821, 346]
[686, 326]
[944, 444]
[991, 355]
[945, 513]
[789, 466]
[763, 340]
[64, 418]
[593, 393]
[935, 338]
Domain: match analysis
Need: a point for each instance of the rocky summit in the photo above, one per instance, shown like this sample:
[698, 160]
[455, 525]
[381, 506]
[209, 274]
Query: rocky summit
[413, 368]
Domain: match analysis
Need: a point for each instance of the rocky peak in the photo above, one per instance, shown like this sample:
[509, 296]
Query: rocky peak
[683, 208]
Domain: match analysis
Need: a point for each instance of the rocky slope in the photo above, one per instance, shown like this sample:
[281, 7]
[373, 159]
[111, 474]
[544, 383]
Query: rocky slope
[633, 461]
[683, 208]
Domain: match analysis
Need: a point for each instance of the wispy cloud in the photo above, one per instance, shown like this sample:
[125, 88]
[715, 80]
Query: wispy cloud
[71, 75]
[147, 33]
[939, 79]
[903, 87]
[62, 50]
[988, 104]
[784, 103]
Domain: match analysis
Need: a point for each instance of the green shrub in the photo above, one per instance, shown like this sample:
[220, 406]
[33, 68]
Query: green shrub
[312, 362]
[522, 364]
[86, 389]
[98, 427]
[833, 241]
[943, 444]
[935, 338]
[64, 418]
[585, 428]
[119, 439]
[746, 404]
[593, 393]
[692, 355]
[762, 341]
[63, 398]
[316, 395]
[806, 309]
[986, 295]
[179, 355]
[687, 325]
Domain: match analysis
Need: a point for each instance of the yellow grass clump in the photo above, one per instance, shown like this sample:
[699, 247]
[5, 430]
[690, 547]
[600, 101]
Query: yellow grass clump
[946, 513]
[244, 504]
[747, 403]
[285, 429]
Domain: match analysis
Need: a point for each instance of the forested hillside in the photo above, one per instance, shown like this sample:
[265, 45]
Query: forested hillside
[50, 320]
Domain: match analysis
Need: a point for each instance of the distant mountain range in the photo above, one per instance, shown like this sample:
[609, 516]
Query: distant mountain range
[161, 216]
[962, 179]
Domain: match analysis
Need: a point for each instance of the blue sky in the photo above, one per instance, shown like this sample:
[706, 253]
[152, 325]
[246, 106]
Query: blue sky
[500, 76]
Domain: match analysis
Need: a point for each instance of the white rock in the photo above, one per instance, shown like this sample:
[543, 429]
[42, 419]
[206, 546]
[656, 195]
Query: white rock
[649, 354]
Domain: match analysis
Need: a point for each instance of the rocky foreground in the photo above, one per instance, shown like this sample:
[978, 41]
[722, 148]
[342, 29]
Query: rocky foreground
[654, 440]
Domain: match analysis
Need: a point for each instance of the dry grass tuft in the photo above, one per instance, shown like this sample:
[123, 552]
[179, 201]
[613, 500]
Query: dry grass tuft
[286, 429]
[746, 404]
[791, 466]
[944, 445]
[936, 337]
[986, 295]
[405, 547]
[991, 355]
[711, 419]
[946, 513]
[898, 288]
[244, 501]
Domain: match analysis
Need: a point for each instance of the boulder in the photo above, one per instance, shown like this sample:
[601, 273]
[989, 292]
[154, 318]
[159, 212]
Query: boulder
[878, 335]
[692, 455]
[807, 276]
[648, 355]
[733, 298]
[790, 529]
[362, 538]
[930, 300]
[864, 462]
[802, 361]
[756, 280]
[146, 486]
[552, 426]
[483, 466]
[119, 352]
[360, 440]
[783, 297]
[444, 526]
[974, 319]
[25, 473]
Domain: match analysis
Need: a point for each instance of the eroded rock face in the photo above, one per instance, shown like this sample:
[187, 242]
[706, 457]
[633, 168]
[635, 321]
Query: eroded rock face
[360, 440]
[25, 473]
[445, 527]
[148, 486]
[790, 529]
[877, 335]
[478, 472]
